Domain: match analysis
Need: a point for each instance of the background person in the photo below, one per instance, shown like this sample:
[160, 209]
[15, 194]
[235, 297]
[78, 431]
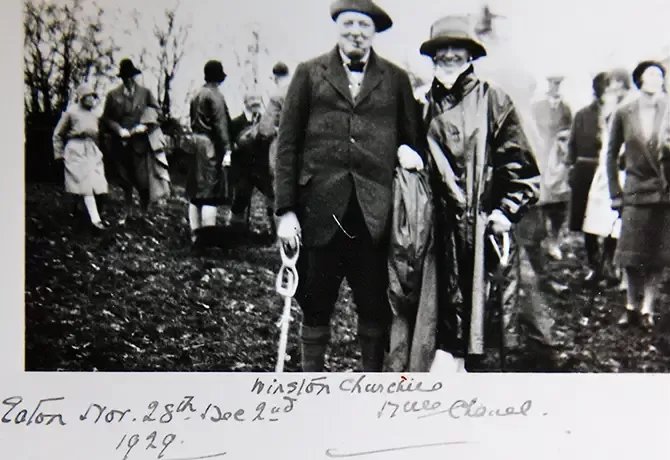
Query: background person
[75, 142]
[642, 127]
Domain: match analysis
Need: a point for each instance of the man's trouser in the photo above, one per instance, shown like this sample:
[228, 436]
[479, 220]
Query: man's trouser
[322, 270]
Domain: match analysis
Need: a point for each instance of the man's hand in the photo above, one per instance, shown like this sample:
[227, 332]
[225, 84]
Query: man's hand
[288, 230]
[409, 159]
[124, 133]
[227, 159]
[499, 223]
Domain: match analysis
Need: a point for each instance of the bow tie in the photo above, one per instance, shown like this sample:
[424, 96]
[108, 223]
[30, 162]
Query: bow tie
[356, 66]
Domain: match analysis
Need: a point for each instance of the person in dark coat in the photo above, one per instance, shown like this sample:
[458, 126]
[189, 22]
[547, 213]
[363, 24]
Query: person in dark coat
[345, 115]
[250, 159]
[211, 150]
[643, 128]
[123, 110]
[484, 178]
[583, 151]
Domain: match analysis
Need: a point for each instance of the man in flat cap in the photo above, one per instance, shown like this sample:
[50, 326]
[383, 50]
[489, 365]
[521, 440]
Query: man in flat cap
[344, 118]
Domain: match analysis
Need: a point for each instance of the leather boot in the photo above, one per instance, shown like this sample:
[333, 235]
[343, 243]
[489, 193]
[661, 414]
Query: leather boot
[314, 340]
[373, 341]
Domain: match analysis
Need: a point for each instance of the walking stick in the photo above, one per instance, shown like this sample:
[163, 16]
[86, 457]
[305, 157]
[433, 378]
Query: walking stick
[504, 256]
[286, 286]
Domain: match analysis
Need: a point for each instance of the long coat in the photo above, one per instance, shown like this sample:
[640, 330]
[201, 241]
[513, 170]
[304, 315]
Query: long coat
[75, 140]
[645, 217]
[128, 162]
[210, 123]
[583, 150]
[646, 178]
[480, 161]
[331, 146]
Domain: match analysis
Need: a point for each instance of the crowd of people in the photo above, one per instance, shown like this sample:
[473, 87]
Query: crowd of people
[326, 152]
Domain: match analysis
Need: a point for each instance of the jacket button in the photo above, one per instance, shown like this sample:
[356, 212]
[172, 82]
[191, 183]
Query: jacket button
[353, 141]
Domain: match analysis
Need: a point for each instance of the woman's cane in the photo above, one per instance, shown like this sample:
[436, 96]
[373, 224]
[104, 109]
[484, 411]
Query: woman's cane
[498, 278]
[286, 286]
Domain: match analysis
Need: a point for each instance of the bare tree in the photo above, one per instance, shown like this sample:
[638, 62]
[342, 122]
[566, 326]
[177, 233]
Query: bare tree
[172, 44]
[62, 48]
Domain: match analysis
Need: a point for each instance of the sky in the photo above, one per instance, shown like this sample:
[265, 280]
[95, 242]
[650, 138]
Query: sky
[576, 38]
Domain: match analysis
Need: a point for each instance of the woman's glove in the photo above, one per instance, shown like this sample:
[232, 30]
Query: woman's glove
[499, 223]
[409, 159]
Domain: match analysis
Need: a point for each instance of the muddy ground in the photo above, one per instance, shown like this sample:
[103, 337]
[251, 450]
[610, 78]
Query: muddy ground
[137, 298]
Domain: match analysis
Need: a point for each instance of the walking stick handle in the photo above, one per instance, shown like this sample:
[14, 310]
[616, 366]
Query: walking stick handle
[504, 252]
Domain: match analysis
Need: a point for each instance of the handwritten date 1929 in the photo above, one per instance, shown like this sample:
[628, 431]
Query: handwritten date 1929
[151, 442]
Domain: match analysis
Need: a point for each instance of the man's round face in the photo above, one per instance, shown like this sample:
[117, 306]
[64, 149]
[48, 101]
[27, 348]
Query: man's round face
[451, 58]
[356, 32]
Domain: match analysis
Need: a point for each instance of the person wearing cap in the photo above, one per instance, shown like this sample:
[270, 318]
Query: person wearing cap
[554, 119]
[484, 177]
[642, 127]
[345, 115]
[121, 116]
[269, 124]
[75, 142]
[211, 147]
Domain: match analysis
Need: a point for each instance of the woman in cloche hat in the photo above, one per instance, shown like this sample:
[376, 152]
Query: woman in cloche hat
[484, 177]
[74, 141]
[642, 127]
[211, 150]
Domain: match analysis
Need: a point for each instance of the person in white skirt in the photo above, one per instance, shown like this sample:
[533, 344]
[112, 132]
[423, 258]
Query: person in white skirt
[600, 219]
[75, 142]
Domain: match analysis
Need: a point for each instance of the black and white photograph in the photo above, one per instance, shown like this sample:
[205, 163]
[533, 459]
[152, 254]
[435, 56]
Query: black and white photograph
[460, 186]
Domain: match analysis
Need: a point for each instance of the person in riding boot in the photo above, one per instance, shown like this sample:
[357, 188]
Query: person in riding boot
[345, 115]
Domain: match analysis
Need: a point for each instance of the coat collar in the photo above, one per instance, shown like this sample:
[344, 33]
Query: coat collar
[136, 98]
[650, 146]
[336, 75]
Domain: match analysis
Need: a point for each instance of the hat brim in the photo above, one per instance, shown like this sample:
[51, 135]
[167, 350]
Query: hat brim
[218, 77]
[641, 67]
[380, 18]
[430, 47]
[129, 73]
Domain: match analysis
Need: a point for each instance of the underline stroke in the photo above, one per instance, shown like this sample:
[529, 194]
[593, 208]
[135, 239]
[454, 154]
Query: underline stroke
[202, 457]
[332, 453]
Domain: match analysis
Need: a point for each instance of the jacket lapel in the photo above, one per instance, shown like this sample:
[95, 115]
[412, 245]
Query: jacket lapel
[337, 76]
[648, 145]
[137, 97]
[661, 108]
[372, 78]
